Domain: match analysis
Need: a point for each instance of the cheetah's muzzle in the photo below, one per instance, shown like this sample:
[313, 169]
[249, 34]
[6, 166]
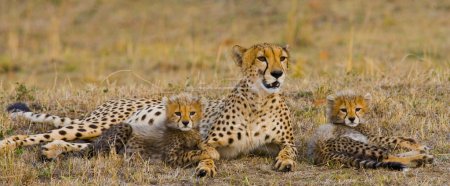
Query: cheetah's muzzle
[273, 85]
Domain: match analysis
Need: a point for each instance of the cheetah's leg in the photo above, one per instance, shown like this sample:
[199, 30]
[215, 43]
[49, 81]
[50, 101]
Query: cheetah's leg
[114, 137]
[72, 132]
[410, 153]
[359, 149]
[398, 142]
[206, 166]
[353, 161]
[285, 160]
[53, 149]
[178, 156]
[411, 161]
[356, 148]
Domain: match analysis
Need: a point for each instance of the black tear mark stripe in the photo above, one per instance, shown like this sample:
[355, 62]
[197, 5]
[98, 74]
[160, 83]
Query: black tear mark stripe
[266, 62]
[181, 116]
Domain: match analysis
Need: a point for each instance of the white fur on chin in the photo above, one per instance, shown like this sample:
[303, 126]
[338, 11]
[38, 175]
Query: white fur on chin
[185, 128]
[260, 85]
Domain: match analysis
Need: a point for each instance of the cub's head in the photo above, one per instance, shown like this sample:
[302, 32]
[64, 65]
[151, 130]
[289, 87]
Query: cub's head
[265, 64]
[184, 111]
[347, 108]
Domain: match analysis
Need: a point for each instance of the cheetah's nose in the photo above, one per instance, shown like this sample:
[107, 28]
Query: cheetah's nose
[185, 123]
[352, 119]
[276, 74]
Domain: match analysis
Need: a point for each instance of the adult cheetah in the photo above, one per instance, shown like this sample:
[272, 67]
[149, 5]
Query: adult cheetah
[253, 115]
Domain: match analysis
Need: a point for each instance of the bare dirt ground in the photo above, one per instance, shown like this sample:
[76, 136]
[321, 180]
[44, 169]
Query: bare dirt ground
[67, 57]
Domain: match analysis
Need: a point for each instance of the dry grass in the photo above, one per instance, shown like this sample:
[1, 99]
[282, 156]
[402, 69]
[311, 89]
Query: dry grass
[70, 56]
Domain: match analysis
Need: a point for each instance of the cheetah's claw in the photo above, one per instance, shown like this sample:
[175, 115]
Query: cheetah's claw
[286, 165]
[206, 168]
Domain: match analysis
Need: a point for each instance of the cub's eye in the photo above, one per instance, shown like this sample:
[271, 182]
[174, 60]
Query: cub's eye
[343, 110]
[357, 109]
[262, 58]
[192, 113]
[178, 113]
[282, 58]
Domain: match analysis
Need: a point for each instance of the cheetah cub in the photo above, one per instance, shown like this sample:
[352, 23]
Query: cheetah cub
[346, 139]
[175, 142]
[178, 145]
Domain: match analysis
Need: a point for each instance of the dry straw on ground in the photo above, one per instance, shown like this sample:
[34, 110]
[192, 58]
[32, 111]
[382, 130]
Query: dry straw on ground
[70, 56]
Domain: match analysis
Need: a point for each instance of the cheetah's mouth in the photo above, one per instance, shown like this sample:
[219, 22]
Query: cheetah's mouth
[274, 85]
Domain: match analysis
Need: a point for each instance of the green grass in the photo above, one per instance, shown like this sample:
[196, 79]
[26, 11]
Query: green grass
[67, 57]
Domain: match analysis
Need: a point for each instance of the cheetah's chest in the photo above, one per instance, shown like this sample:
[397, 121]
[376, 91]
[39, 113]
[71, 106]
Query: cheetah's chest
[251, 133]
[357, 136]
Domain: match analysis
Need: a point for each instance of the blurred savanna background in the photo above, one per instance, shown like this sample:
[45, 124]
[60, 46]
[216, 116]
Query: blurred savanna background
[67, 57]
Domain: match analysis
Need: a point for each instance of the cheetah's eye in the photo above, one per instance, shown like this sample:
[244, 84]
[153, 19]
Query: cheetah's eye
[262, 58]
[192, 113]
[282, 58]
[343, 110]
[357, 109]
[178, 113]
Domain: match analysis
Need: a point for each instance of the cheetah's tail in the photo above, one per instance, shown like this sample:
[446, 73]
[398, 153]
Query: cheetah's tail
[22, 110]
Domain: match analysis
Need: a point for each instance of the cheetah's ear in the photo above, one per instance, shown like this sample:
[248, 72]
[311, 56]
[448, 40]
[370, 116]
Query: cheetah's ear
[329, 108]
[238, 53]
[330, 98]
[165, 100]
[286, 48]
[203, 101]
[368, 97]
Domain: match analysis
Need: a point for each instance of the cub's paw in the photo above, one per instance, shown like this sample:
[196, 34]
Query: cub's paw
[213, 154]
[421, 160]
[284, 164]
[206, 168]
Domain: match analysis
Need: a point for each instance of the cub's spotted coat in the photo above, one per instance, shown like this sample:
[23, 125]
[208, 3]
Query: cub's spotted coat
[178, 144]
[347, 140]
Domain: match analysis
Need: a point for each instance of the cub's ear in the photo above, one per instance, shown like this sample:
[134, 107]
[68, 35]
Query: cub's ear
[368, 97]
[165, 100]
[238, 53]
[330, 98]
[203, 101]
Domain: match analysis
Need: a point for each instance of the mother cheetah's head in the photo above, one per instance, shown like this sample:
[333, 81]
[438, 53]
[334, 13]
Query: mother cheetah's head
[265, 64]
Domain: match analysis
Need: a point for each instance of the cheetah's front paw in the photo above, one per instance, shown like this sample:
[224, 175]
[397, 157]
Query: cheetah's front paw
[52, 150]
[284, 164]
[206, 167]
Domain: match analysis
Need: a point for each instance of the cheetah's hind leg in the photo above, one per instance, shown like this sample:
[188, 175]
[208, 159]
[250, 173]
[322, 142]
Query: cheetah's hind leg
[53, 149]
[113, 138]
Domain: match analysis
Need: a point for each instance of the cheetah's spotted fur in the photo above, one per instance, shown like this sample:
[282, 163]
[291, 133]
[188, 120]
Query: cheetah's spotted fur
[252, 116]
[347, 140]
